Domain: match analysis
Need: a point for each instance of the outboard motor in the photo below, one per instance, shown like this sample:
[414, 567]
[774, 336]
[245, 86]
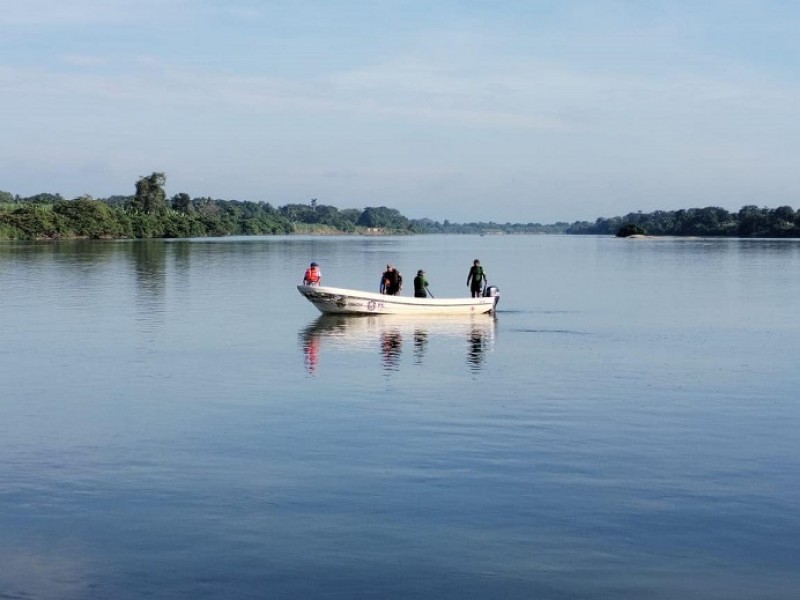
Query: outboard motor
[492, 291]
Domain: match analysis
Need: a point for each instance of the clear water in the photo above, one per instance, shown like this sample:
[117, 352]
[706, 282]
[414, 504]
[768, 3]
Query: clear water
[177, 422]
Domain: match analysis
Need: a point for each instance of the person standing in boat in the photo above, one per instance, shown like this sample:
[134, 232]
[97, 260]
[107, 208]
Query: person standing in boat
[313, 275]
[391, 281]
[476, 279]
[420, 285]
[385, 278]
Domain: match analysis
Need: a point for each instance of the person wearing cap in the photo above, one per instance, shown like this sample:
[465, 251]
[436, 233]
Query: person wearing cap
[420, 285]
[313, 275]
[391, 281]
[476, 279]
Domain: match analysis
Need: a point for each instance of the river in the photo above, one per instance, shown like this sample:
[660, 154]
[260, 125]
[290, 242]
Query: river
[176, 421]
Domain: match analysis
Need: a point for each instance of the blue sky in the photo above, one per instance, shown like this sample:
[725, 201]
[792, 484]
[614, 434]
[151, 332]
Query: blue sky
[522, 111]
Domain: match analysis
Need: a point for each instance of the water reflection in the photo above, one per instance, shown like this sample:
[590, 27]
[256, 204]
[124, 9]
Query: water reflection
[387, 335]
[478, 344]
[149, 259]
[392, 345]
[420, 344]
[311, 351]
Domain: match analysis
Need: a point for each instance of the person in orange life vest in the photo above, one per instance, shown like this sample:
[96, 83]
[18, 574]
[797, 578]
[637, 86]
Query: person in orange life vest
[313, 275]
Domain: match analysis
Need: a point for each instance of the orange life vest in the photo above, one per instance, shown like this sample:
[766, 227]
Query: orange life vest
[312, 275]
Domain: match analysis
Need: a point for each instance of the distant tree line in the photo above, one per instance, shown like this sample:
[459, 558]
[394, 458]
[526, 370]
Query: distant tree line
[148, 213]
[429, 226]
[749, 221]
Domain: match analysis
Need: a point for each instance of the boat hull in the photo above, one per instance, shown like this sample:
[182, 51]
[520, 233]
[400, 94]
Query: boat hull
[342, 301]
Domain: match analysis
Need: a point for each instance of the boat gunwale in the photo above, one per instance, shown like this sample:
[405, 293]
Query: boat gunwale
[305, 290]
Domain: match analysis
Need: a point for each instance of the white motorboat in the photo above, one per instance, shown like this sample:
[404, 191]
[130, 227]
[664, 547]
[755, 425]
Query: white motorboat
[332, 300]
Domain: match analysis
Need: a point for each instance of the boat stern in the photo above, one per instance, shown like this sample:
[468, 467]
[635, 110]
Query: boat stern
[492, 291]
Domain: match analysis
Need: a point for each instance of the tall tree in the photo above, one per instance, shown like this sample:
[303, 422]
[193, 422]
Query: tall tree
[182, 203]
[380, 216]
[150, 196]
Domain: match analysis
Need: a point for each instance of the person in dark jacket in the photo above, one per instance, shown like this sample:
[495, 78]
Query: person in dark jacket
[476, 279]
[420, 285]
[391, 281]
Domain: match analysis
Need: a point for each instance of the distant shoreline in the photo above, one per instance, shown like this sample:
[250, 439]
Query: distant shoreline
[150, 215]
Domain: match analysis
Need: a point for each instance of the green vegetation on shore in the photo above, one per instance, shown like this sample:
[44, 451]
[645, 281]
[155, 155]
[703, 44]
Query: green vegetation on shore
[750, 221]
[148, 213]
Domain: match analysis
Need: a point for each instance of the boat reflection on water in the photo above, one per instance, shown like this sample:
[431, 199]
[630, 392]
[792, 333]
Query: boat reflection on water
[388, 334]
[478, 344]
[392, 345]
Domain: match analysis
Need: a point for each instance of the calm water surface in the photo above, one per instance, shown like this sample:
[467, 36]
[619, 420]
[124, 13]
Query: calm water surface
[177, 422]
